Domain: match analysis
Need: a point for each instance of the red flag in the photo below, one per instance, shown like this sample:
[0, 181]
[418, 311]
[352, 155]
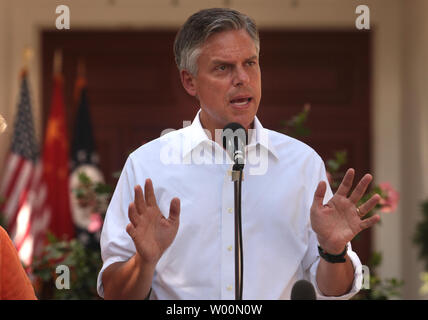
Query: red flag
[56, 165]
[25, 209]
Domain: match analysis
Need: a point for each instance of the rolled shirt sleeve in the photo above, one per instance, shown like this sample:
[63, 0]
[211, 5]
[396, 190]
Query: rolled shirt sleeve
[116, 244]
[356, 285]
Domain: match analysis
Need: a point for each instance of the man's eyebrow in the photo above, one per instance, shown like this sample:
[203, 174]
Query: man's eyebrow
[219, 61]
[222, 61]
[252, 57]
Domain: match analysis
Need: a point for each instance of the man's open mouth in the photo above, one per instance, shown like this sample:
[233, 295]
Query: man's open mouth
[241, 101]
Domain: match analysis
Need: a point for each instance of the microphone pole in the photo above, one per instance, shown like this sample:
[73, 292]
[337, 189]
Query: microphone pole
[239, 266]
[234, 141]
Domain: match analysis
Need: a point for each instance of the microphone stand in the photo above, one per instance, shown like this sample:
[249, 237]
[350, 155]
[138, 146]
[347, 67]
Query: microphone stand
[237, 177]
[234, 141]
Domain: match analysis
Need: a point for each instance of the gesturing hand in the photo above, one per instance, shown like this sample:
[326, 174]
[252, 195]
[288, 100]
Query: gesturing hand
[339, 221]
[151, 232]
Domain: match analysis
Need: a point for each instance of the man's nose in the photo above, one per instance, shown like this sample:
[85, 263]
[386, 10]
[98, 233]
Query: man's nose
[240, 77]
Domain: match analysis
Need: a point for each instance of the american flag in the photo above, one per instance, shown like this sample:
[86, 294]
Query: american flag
[25, 208]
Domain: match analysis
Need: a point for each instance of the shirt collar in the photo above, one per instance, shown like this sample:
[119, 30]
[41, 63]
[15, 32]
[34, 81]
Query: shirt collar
[196, 135]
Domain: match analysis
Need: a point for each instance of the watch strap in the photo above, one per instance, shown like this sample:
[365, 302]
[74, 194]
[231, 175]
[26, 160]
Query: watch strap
[333, 258]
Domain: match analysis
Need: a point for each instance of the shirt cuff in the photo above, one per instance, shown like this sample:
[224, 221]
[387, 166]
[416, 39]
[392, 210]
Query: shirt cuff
[356, 285]
[108, 262]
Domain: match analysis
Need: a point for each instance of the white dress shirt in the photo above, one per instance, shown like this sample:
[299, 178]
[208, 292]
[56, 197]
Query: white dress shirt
[279, 245]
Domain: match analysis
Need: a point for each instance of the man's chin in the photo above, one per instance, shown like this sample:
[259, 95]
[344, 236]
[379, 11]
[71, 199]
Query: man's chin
[245, 121]
[243, 117]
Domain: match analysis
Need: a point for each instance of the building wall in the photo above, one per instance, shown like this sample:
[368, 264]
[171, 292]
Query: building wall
[399, 103]
[414, 115]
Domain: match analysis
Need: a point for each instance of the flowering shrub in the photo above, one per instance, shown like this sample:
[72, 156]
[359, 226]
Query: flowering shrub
[421, 239]
[81, 255]
[390, 197]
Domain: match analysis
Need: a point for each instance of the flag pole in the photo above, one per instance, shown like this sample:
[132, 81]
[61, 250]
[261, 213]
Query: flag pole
[81, 68]
[81, 78]
[27, 55]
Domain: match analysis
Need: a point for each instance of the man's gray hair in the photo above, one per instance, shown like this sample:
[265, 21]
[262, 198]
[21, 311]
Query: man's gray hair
[203, 24]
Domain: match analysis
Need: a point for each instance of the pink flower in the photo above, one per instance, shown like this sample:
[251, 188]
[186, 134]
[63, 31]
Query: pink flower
[95, 222]
[392, 197]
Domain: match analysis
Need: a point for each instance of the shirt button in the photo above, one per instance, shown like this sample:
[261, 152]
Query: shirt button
[230, 210]
[229, 288]
[229, 248]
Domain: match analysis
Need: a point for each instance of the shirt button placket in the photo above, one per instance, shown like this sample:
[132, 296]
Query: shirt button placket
[227, 239]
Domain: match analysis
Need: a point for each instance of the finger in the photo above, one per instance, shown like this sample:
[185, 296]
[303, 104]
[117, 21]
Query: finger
[149, 193]
[360, 189]
[369, 222]
[140, 203]
[130, 229]
[346, 183]
[133, 214]
[367, 206]
[174, 210]
[319, 194]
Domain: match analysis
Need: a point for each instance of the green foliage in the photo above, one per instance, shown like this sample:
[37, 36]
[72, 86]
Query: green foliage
[84, 262]
[421, 240]
[92, 194]
[334, 167]
[368, 195]
[86, 184]
[424, 278]
[296, 127]
[421, 235]
[340, 158]
[102, 188]
[380, 289]
[84, 266]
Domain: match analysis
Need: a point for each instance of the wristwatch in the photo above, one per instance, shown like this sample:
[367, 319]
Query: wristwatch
[333, 258]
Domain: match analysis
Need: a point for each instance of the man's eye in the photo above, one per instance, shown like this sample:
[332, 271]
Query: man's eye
[221, 67]
[251, 63]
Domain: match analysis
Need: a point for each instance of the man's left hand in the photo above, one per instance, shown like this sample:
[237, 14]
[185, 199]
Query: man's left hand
[340, 220]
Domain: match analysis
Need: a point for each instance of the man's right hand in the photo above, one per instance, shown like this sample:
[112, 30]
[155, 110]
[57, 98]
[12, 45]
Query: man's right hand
[151, 232]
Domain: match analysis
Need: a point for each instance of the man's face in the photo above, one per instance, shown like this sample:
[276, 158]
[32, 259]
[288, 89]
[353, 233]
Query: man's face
[228, 82]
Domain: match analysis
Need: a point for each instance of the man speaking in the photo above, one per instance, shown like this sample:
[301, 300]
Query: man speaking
[173, 238]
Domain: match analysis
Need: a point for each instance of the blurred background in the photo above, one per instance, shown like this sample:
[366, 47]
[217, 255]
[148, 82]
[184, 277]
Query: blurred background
[358, 97]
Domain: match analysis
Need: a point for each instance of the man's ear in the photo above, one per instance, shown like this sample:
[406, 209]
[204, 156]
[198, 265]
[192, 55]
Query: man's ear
[189, 82]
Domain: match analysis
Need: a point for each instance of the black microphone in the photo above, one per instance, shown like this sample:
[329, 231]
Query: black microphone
[303, 290]
[234, 141]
